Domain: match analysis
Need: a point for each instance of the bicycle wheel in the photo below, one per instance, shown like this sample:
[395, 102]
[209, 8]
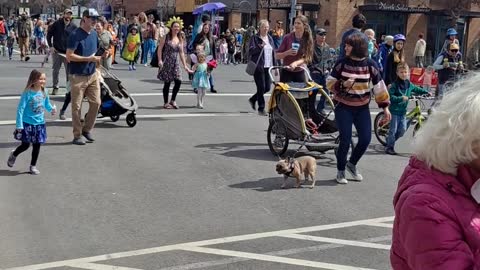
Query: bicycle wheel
[380, 128]
[277, 138]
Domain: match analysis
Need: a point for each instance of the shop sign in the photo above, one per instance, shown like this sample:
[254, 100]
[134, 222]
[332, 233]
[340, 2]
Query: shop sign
[274, 4]
[402, 8]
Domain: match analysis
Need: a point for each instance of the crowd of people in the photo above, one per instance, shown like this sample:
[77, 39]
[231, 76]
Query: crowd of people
[438, 195]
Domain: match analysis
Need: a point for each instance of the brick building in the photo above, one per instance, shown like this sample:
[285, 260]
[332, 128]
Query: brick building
[409, 17]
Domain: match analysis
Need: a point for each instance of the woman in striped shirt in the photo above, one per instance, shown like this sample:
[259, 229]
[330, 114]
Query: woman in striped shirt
[350, 83]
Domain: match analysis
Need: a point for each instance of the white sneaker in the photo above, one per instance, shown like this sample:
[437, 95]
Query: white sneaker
[11, 159]
[352, 169]
[34, 170]
[341, 178]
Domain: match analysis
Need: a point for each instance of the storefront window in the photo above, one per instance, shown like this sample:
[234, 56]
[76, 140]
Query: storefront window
[386, 23]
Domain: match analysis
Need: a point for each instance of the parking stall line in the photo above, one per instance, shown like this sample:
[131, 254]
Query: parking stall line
[379, 224]
[286, 252]
[97, 266]
[336, 241]
[275, 259]
[222, 240]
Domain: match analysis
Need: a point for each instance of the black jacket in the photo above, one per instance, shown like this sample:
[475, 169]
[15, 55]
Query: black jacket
[254, 51]
[60, 34]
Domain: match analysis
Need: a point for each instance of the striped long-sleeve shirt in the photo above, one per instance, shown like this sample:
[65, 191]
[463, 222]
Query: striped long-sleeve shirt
[364, 72]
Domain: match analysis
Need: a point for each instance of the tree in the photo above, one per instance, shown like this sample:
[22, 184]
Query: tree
[165, 8]
[459, 6]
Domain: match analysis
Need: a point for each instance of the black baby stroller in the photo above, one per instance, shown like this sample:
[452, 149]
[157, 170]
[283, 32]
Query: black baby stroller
[115, 99]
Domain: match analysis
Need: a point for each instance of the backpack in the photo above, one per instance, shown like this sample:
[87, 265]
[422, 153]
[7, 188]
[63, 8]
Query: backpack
[3, 30]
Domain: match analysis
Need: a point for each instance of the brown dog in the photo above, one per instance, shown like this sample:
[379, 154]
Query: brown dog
[301, 168]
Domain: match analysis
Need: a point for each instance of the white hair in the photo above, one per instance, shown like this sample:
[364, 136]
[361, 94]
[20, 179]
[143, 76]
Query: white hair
[451, 135]
[369, 31]
[262, 23]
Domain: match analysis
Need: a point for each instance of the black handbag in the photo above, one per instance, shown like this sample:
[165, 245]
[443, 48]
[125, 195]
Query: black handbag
[154, 62]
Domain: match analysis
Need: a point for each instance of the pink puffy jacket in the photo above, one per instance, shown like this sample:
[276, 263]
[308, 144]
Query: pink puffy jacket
[437, 221]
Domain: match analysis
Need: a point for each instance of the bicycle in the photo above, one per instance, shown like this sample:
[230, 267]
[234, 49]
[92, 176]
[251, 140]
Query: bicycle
[415, 117]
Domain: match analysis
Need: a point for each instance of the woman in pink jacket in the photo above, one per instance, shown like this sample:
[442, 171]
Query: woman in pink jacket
[437, 203]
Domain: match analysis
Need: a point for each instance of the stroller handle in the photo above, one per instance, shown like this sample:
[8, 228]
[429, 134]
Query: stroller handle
[305, 70]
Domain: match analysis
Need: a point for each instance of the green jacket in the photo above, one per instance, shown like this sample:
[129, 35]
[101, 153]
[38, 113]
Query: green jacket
[397, 105]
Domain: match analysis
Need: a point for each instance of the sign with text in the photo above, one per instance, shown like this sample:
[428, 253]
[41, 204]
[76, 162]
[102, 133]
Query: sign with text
[402, 8]
[274, 4]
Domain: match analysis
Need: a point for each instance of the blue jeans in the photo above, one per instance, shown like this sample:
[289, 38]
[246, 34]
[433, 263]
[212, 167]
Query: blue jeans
[345, 116]
[321, 80]
[398, 126]
[149, 47]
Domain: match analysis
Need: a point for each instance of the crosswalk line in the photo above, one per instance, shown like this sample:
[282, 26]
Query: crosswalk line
[270, 258]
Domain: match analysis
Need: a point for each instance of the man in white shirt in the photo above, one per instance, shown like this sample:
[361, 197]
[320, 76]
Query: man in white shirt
[419, 52]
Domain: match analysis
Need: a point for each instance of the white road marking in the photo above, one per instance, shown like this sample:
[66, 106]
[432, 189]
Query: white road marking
[379, 224]
[209, 264]
[15, 97]
[146, 116]
[97, 266]
[202, 243]
[336, 241]
[269, 258]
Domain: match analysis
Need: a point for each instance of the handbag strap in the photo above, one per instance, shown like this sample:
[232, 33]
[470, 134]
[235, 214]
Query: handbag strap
[261, 53]
[260, 56]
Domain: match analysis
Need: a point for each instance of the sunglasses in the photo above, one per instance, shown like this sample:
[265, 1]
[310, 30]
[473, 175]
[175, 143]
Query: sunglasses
[322, 34]
[92, 18]
[455, 51]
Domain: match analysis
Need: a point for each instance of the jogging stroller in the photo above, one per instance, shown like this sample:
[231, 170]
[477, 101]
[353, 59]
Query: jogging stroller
[115, 99]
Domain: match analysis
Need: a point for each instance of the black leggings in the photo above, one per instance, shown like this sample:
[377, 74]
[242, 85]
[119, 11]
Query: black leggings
[35, 152]
[166, 90]
[68, 99]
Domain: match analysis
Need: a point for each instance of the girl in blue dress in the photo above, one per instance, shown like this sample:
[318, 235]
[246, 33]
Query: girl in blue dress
[200, 78]
[30, 127]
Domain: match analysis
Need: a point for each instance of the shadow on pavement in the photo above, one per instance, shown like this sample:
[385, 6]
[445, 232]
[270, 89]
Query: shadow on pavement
[227, 146]
[379, 150]
[275, 183]
[13, 145]
[11, 173]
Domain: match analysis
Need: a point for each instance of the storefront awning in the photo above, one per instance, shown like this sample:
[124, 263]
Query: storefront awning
[462, 14]
[394, 8]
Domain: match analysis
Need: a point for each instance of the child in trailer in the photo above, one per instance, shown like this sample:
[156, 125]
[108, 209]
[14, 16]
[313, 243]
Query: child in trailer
[30, 127]
[400, 91]
[200, 78]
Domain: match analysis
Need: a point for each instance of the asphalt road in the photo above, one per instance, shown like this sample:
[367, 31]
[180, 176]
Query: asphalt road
[184, 189]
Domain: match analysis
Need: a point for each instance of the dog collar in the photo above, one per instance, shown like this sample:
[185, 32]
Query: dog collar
[292, 167]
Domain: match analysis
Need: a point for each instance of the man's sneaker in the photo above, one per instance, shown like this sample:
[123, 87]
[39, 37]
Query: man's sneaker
[88, 136]
[54, 91]
[341, 178]
[11, 159]
[34, 170]
[78, 141]
[352, 169]
[213, 90]
[390, 151]
[62, 115]
[252, 104]
[27, 58]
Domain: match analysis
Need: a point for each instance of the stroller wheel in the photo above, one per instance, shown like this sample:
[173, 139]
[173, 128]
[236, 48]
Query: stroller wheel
[114, 118]
[277, 138]
[131, 120]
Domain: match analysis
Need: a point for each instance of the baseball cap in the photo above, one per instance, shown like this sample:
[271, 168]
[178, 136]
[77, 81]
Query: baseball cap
[91, 12]
[67, 11]
[454, 46]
